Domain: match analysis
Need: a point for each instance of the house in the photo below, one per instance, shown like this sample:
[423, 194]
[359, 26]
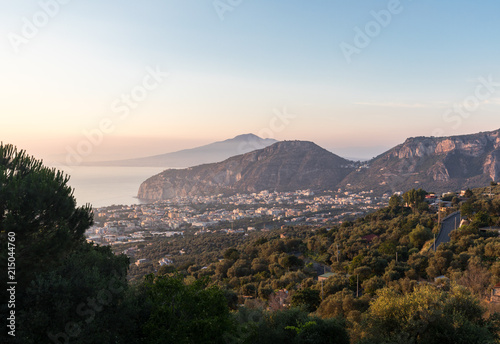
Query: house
[369, 237]
[279, 300]
[495, 293]
[165, 261]
[326, 276]
[141, 261]
[441, 280]
[430, 198]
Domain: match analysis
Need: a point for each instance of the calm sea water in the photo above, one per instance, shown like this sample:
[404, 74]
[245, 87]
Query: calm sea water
[105, 186]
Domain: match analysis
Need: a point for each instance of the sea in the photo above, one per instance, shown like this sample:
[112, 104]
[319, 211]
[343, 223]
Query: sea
[103, 186]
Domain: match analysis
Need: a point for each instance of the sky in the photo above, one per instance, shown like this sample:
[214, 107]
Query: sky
[100, 80]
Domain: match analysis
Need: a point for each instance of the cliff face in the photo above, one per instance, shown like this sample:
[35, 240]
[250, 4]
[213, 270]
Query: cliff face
[492, 165]
[437, 164]
[283, 166]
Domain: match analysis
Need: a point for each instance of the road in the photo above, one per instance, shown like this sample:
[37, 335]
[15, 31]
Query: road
[450, 223]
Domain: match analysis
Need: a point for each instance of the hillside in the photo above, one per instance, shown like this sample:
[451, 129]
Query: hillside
[433, 163]
[214, 152]
[284, 166]
[381, 278]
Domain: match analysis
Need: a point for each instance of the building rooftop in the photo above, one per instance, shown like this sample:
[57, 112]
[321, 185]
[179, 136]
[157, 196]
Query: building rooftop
[327, 275]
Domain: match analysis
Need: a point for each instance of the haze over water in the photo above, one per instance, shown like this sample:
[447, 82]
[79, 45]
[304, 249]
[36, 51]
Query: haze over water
[105, 186]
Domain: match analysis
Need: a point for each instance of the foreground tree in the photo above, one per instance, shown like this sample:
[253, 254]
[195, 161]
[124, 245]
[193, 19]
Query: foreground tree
[183, 313]
[38, 208]
[67, 290]
[80, 301]
[290, 326]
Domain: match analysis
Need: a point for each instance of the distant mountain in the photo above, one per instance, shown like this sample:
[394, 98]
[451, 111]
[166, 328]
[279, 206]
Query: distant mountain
[214, 152]
[283, 166]
[433, 163]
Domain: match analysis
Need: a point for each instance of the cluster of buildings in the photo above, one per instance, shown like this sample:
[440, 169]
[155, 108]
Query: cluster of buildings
[135, 223]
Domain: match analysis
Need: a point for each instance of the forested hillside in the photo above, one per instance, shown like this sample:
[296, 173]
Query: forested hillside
[377, 263]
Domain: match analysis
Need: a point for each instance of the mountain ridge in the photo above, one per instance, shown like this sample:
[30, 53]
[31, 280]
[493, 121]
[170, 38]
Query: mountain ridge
[434, 163]
[282, 166]
[437, 164]
[209, 153]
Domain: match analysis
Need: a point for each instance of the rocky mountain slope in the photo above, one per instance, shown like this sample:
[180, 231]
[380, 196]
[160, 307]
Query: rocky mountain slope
[432, 163]
[214, 152]
[288, 165]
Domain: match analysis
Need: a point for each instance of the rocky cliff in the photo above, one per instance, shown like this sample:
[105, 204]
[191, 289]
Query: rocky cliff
[439, 164]
[283, 166]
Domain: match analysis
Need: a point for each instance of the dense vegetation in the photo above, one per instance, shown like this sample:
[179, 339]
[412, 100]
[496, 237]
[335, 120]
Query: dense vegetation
[387, 284]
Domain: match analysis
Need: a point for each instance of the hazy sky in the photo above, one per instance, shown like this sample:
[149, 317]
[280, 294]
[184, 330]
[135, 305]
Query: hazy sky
[90, 77]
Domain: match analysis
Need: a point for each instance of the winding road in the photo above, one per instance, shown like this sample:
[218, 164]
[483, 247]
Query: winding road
[450, 223]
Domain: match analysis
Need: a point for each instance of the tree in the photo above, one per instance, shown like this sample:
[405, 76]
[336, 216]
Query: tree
[65, 288]
[79, 301]
[342, 304]
[448, 197]
[387, 247]
[481, 219]
[239, 269]
[439, 263]
[468, 193]
[373, 284]
[476, 278]
[185, 313]
[426, 315]
[334, 284]
[290, 261]
[356, 262]
[414, 197]
[37, 205]
[231, 254]
[466, 210]
[395, 201]
[307, 297]
[419, 236]
[249, 289]
[291, 326]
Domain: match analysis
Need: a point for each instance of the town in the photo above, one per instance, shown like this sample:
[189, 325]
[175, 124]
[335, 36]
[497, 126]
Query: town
[116, 225]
